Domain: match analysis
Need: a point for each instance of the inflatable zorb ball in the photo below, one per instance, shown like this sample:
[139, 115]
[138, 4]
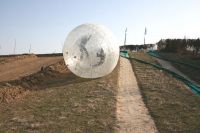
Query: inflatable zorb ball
[91, 51]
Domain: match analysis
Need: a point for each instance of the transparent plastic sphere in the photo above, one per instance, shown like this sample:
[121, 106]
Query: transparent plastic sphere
[91, 51]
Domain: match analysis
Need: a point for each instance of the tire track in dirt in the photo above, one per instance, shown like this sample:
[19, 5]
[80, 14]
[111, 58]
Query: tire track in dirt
[132, 114]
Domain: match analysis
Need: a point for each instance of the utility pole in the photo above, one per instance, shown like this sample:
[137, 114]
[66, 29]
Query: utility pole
[125, 36]
[14, 46]
[145, 33]
[30, 49]
[62, 45]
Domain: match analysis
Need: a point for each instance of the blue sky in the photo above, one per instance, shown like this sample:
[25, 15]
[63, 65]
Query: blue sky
[45, 23]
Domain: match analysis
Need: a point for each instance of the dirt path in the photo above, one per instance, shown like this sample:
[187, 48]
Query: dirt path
[168, 65]
[132, 114]
[16, 69]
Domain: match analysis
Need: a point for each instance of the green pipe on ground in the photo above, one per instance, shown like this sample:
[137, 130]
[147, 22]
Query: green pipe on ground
[157, 55]
[195, 88]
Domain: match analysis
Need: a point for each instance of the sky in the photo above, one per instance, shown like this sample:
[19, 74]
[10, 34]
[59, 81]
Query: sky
[44, 24]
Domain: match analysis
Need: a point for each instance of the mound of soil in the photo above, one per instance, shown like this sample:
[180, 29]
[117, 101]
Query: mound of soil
[35, 80]
[9, 93]
[16, 89]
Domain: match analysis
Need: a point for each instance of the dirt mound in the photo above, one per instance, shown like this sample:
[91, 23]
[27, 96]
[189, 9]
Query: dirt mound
[58, 67]
[9, 93]
[35, 80]
[17, 88]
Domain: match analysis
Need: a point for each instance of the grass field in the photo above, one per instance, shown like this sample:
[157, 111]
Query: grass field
[172, 105]
[62, 102]
[192, 73]
[55, 100]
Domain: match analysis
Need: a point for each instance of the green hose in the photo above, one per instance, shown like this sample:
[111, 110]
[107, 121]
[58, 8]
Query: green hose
[157, 55]
[195, 88]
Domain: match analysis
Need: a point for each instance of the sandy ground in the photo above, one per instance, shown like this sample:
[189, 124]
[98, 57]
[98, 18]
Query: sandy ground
[132, 113]
[19, 68]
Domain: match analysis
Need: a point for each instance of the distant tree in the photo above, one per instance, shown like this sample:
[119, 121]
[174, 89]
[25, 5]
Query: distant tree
[161, 44]
[196, 45]
[182, 46]
[179, 45]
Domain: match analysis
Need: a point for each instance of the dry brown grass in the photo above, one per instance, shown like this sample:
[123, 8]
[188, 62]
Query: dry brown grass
[62, 103]
[192, 73]
[8, 58]
[172, 105]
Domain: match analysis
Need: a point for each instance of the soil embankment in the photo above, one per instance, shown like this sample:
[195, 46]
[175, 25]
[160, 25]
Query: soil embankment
[13, 68]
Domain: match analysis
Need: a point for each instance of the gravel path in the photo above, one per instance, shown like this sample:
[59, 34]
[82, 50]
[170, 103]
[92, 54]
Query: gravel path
[132, 113]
